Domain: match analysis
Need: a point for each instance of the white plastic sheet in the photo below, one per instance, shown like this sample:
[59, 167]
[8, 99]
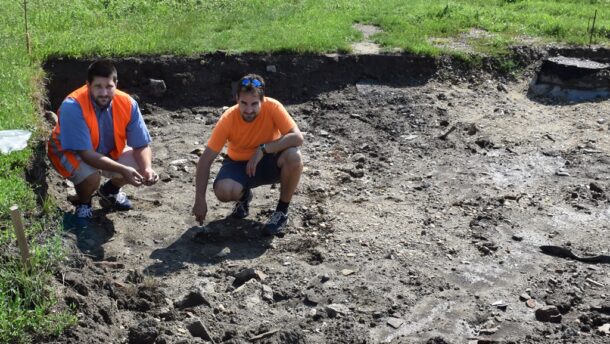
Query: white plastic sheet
[13, 140]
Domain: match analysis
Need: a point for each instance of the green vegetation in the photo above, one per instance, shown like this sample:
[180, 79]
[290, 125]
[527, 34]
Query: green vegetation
[136, 27]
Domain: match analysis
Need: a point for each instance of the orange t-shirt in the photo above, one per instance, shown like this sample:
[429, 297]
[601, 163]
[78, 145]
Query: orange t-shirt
[243, 137]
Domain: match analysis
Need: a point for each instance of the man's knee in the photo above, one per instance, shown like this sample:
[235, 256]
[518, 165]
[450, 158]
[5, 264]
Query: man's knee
[91, 178]
[291, 159]
[227, 190]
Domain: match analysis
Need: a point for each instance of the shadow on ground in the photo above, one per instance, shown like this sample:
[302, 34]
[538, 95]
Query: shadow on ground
[90, 234]
[226, 239]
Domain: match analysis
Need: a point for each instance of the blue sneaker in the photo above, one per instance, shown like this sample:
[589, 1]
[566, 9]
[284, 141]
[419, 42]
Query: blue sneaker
[118, 201]
[242, 207]
[83, 211]
[276, 223]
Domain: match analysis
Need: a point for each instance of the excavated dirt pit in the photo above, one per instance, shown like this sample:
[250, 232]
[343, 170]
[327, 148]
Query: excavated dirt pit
[426, 194]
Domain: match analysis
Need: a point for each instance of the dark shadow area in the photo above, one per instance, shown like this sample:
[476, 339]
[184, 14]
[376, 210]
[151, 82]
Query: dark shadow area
[36, 172]
[90, 234]
[226, 239]
[178, 82]
[210, 79]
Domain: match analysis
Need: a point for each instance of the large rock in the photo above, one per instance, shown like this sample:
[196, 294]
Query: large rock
[548, 314]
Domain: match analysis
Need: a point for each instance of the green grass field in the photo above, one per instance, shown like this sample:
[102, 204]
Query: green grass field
[137, 27]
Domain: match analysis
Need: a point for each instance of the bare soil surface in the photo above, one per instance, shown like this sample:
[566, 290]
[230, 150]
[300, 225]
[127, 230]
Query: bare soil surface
[418, 219]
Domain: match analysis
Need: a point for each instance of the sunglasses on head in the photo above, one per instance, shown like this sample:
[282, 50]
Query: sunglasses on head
[249, 81]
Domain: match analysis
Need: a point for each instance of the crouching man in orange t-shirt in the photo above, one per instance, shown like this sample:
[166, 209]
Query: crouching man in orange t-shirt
[263, 143]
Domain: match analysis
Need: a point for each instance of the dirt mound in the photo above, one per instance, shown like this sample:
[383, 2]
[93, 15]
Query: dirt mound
[418, 220]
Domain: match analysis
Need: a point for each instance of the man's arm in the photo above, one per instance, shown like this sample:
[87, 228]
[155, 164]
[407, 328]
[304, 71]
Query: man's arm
[143, 157]
[294, 138]
[101, 162]
[200, 209]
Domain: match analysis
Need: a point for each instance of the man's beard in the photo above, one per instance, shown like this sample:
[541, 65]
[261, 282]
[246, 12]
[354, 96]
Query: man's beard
[249, 118]
[105, 103]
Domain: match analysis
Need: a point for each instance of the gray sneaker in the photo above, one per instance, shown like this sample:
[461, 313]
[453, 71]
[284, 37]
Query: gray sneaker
[276, 223]
[241, 209]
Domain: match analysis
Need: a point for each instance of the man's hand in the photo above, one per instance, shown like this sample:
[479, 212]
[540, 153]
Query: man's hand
[132, 176]
[200, 210]
[149, 177]
[253, 162]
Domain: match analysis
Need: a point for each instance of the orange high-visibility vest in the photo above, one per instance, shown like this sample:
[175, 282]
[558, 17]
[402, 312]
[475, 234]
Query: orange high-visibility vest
[121, 115]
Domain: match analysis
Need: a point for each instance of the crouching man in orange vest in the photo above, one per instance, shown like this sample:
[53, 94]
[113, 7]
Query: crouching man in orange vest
[100, 131]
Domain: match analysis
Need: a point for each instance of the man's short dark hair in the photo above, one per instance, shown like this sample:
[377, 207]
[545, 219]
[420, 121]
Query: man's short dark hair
[101, 68]
[251, 83]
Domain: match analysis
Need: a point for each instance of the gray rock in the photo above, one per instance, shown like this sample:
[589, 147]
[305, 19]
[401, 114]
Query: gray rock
[548, 314]
[312, 298]
[267, 293]
[193, 299]
[335, 309]
[359, 157]
[247, 274]
[395, 322]
[198, 329]
[157, 88]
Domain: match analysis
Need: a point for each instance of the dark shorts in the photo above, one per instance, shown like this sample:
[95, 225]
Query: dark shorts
[267, 172]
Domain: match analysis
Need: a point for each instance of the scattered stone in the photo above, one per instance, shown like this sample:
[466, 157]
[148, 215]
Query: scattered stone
[264, 335]
[595, 283]
[347, 272]
[359, 157]
[193, 299]
[267, 293]
[198, 329]
[605, 329]
[247, 274]
[157, 88]
[548, 314]
[524, 297]
[312, 298]
[488, 331]
[500, 305]
[395, 322]
[271, 69]
[562, 173]
[335, 309]
[165, 177]
[531, 303]
[324, 278]
[517, 237]
[223, 253]
[178, 162]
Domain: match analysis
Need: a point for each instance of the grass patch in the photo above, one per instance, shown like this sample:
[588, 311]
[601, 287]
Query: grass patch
[26, 298]
[135, 27]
